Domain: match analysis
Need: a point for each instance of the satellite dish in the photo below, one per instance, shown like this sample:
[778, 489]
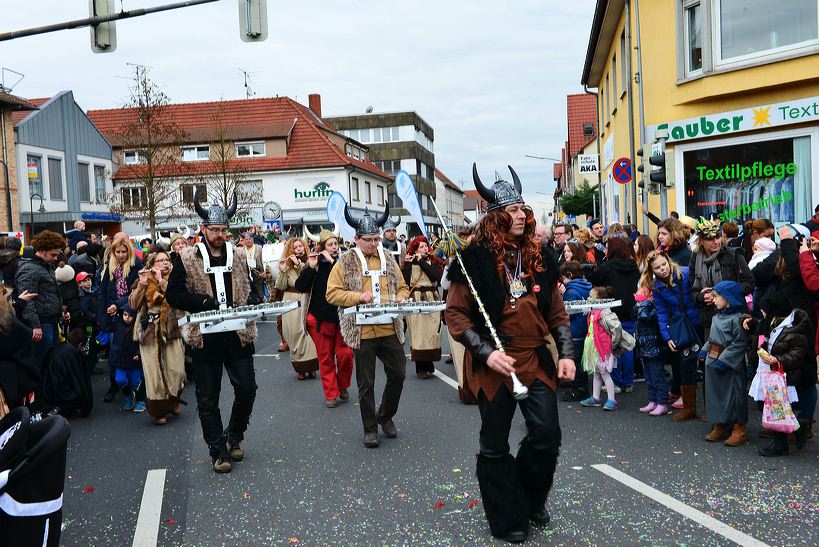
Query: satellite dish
[369, 110]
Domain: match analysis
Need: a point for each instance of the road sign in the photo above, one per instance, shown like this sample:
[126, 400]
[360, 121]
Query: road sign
[621, 171]
[588, 163]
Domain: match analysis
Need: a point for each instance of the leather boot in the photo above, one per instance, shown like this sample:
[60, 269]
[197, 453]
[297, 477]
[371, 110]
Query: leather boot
[738, 436]
[704, 416]
[718, 432]
[778, 447]
[689, 411]
[802, 433]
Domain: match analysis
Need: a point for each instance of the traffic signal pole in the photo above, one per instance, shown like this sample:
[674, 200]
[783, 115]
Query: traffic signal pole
[93, 21]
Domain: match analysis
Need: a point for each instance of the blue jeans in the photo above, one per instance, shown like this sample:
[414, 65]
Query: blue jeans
[654, 369]
[49, 340]
[623, 375]
[807, 401]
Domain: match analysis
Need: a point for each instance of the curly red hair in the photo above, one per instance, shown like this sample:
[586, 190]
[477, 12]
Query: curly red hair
[412, 248]
[493, 232]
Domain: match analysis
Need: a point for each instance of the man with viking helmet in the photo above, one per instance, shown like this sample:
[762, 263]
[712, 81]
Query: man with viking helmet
[520, 297]
[391, 242]
[368, 275]
[214, 275]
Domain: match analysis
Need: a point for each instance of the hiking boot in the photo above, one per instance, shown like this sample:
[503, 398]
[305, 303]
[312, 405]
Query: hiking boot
[222, 464]
[235, 451]
[738, 436]
[388, 427]
[718, 432]
[371, 440]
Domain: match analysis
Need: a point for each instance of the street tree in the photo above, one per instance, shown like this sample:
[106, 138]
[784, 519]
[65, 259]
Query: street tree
[150, 191]
[579, 202]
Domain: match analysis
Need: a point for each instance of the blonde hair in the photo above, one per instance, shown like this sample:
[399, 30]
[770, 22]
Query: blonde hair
[585, 237]
[288, 250]
[647, 278]
[112, 262]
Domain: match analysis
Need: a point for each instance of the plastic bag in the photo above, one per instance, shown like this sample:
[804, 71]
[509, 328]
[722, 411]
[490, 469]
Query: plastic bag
[777, 414]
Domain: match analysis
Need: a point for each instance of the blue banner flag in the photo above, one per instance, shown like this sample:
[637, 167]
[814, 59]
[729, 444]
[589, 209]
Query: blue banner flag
[409, 198]
[335, 213]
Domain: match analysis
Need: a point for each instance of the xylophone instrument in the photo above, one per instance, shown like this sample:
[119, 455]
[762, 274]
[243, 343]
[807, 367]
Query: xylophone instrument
[232, 319]
[372, 314]
[584, 306]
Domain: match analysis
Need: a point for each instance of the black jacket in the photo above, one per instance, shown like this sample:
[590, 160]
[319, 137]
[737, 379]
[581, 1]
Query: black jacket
[19, 375]
[70, 293]
[37, 276]
[680, 254]
[67, 381]
[793, 349]
[315, 282]
[622, 274]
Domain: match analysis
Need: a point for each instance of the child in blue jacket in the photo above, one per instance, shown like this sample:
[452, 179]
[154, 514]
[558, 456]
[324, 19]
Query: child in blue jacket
[650, 348]
[124, 357]
[576, 288]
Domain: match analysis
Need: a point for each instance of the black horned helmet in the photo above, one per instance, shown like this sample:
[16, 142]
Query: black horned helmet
[392, 224]
[367, 225]
[214, 214]
[502, 193]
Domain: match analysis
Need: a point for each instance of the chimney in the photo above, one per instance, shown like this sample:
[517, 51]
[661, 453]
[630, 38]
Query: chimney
[315, 103]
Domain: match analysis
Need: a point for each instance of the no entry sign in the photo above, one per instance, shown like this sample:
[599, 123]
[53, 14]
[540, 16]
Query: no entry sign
[622, 171]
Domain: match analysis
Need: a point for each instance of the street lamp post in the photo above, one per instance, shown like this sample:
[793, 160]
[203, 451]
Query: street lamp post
[42, 209]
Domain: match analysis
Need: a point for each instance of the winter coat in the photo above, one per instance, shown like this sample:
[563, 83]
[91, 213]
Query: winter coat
[649, 339]
[19, 375]
[74, 236]
[123, 347]
[85, 263]
[9, 262]
[67, 381]
[734, 268]
[577, 289]
[38, 276]
[810, 276]
[792, 349]
[680, 255]
[725, 374]
[667, 302]
[793, 287]
[88, 309]
[70, 293]
[622, 274]
[108, 293]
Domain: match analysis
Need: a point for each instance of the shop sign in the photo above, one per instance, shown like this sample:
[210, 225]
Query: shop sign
[739, 121]
[102, 217]
[318, 194]
[588, 163]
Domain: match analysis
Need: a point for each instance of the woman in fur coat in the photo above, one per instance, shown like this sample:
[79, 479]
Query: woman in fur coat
[160, 338]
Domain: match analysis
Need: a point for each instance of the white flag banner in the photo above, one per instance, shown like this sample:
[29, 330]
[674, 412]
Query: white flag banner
[409, 198]
[335, 213]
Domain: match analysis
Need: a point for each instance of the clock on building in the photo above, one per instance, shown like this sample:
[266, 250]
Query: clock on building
[272, 210]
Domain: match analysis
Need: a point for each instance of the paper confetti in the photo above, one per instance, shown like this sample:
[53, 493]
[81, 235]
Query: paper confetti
[246, 495]
[170, 521]
[678, 452]
[439, 505]
[473, 503]
[294, 540]
[88, 489]
[577, 467]
[456, 470]
[623, 462]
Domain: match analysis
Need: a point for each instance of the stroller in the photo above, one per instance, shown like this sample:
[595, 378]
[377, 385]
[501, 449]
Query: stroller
[32, 476]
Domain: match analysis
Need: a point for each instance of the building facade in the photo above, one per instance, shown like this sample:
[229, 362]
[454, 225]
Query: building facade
[398, 140]
[10, 106]
[67, 164]
[450, 200]
[735, 93]
[281, 157]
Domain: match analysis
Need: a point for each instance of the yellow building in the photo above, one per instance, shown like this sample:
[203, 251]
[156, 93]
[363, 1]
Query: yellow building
[735, 86]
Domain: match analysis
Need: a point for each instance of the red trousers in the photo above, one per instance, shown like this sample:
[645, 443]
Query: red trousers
[334, 356]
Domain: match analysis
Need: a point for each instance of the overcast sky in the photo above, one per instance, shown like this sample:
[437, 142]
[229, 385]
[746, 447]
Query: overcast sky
[491, 78]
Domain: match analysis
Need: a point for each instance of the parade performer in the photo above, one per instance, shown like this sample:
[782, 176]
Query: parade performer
[303, 355]
[391, 242]
[160, 338]
[334, 356]
[208, 276]
[258, 271]
[422, 272]
[518, 302]
[364, 275]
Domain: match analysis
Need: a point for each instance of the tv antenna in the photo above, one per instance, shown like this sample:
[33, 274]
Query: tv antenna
[248, 91]
[3, 86]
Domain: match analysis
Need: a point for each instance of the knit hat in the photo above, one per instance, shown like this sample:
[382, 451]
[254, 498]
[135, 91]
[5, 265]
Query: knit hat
[127, 307]
[766, 244]
[64, 273]
[707, 229]
[732, 292]
[174, 237]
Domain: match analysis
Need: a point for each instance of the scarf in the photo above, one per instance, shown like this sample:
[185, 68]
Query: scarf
[709, 269]
[120, 283]
[757, 258]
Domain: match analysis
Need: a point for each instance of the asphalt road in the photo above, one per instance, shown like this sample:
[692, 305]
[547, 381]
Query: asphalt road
[307, 479]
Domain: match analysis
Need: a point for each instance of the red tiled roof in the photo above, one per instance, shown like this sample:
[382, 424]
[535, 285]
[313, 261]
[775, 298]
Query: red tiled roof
[558, 170]
[581, 109]
[274, 117]
[18, 115]
[17, 103]
[443, 178]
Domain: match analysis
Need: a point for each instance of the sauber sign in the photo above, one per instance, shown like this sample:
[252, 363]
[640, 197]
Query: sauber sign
[738, 121]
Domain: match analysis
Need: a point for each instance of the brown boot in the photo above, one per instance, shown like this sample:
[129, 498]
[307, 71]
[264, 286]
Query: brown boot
[689, 411]
[738, 436]
[718, 432]
[704, 416]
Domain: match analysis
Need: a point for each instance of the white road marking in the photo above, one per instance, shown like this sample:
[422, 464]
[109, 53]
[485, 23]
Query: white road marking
[446, 379]
[147, 528]
[687, 511]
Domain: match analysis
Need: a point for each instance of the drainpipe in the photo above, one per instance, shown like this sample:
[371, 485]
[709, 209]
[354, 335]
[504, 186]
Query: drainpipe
[599, 157]
[9, 215]
[631, 149]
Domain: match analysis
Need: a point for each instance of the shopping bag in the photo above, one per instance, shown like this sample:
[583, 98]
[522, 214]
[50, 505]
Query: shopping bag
[777, 414]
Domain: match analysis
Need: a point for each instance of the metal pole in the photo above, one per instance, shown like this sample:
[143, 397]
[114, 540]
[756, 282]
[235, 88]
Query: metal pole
[93, 21]
[31, 213]
[594, 206]
[640, 100]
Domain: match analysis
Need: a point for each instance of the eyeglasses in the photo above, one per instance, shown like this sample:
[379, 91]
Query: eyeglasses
[222, 231]
[161, 260]
[370, 239]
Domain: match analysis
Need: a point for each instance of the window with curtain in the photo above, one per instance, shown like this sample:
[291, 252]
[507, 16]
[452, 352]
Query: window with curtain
[34, 165]
[99, 183]
[55, 178]
[83, 182]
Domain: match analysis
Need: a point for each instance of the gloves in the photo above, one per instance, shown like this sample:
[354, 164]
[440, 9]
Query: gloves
[721, 366]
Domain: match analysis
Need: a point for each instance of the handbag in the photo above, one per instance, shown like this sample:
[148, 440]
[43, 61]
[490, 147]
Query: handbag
[682, 330]
[777, 414]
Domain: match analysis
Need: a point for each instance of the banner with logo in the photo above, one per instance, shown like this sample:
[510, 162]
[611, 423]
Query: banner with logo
[335, 213]
[409, 198]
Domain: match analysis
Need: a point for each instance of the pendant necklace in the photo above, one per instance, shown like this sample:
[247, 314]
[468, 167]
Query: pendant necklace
[516, 286]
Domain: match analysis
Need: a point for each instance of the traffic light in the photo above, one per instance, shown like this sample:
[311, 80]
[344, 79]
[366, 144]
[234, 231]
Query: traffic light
[657, 160]
[103, 35]
[253, 20]
[653, 188]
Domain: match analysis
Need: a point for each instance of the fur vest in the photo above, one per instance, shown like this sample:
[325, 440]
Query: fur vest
[168, 317]
[353, 278]
[480, 264]
[199, 282]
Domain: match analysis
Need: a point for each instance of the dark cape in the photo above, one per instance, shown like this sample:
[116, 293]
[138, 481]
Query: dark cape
[67, 381]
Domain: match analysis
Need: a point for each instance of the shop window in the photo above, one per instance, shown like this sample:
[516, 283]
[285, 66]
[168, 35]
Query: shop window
[83, 182]
[766, 179]
[55, 178]
[34, 165]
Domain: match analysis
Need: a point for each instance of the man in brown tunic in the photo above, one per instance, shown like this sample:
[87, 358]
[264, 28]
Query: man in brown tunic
[516, 281]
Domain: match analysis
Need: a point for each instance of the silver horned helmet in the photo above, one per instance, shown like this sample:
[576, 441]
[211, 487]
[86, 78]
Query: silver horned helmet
[392, 224]
[502, 193]
[214, 214]
[367, 225]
